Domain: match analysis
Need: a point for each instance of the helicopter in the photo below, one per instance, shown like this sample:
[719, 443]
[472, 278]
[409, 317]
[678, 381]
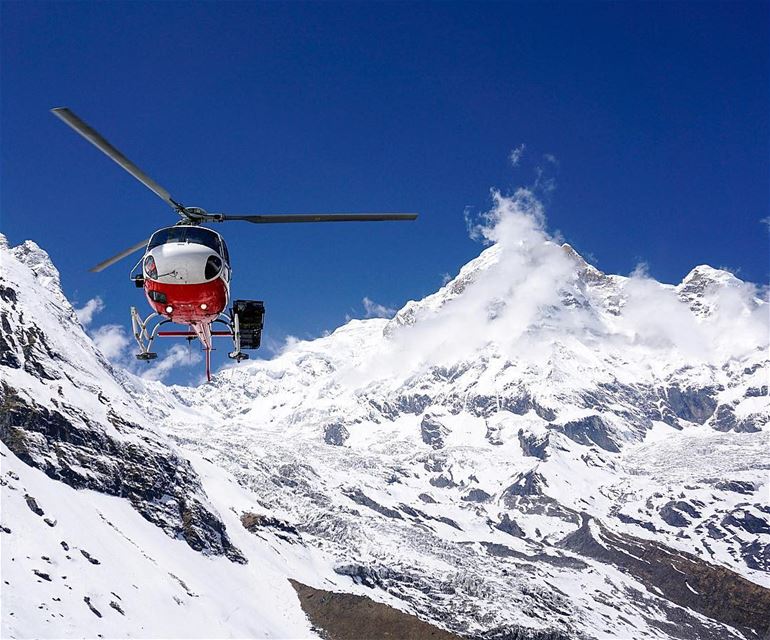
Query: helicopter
[185, 269]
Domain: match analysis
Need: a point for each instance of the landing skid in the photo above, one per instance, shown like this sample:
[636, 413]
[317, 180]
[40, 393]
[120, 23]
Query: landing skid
[243, 326]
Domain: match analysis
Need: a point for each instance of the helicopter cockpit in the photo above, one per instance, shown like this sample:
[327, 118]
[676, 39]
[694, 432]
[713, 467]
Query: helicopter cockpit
[190, 234]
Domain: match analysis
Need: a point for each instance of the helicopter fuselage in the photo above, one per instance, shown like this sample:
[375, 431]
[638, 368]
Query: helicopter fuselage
[186, 280]
[185, 274]
[188, 283]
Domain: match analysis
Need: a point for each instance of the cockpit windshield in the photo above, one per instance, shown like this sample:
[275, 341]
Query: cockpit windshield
[184, 233]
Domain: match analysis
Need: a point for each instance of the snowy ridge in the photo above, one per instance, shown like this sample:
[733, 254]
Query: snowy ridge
[107, 530]
[538, 448]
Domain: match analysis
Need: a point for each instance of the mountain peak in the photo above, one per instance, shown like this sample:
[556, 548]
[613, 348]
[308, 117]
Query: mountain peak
[537, 425]
[705, 275]
[39, 262]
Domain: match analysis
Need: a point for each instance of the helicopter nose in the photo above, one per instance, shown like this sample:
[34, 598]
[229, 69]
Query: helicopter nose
[181, 263]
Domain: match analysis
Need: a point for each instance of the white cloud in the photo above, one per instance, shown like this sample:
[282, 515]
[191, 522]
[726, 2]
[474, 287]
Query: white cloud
[527, 302]
[87, 312]
[641, 270]
[544, 184]
[112, 341]
[516, 154]
[376, 310]
[549, 157]
[277, 347]
[177, 356]
[115, 344]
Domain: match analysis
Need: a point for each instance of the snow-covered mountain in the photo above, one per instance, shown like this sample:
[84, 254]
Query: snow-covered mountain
[537, 450]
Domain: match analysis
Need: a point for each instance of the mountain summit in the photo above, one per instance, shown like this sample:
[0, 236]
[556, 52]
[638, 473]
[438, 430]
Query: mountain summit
[537, 450]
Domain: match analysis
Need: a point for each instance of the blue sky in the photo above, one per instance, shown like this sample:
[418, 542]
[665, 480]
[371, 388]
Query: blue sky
[648, 125]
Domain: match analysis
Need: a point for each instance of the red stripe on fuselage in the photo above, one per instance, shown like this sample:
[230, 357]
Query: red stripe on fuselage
[185, 300]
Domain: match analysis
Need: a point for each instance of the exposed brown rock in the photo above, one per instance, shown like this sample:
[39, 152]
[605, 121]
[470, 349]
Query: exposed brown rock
[344, 616]
[682, 578]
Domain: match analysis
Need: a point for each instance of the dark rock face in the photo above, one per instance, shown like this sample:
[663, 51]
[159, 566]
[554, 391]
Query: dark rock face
[95, 611]
[546, 413]
[693, 405]
[476, 495]
[413, 403]
[503, 551]
[756, 556]
[591, 430]
[368, 576]
[714, 532]
[530, 483]
[640, 523]
[483, 406]
[442, 482]
[672, 513]
[542, 506]
[336, 434]
[516, 401]
[24, 347]
[8, 356]
[493, 434]
[160, 485]
[32, 504]
[684, 579]
[255, 522]
[510, 527]
[746, 521]
[359, 497]
[449, 521]
[533, 445]
[724, 418]
[738, 486]
[518, 633]
[752, 424]
[433, 431]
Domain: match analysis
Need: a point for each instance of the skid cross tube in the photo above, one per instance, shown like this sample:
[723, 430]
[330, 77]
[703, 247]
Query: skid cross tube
[145, 337]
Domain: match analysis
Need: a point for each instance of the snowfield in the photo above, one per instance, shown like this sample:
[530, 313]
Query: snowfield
[537, 450]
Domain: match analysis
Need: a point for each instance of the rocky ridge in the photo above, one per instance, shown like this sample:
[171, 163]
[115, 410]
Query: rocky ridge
[64, 413]
[496, 467]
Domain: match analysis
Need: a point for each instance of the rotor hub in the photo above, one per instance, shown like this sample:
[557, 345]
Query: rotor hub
[193, 215]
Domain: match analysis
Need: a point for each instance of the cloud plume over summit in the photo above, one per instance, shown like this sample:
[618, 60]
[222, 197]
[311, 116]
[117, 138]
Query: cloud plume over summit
[527, 296]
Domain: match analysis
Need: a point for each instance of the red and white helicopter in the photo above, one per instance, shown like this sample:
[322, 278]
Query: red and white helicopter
[185, 270]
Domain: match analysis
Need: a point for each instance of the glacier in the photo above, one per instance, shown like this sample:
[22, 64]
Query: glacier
[537, 450]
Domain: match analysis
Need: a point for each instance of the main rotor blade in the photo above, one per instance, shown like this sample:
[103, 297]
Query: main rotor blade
[320, 217]
[110, 261]
[96, 139]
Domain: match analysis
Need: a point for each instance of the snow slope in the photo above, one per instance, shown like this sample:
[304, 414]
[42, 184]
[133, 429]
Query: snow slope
[135, 581]
[538, 449]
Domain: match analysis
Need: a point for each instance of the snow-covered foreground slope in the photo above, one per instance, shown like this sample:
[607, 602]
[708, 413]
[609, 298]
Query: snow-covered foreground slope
[96, 568]
[537, 449]
[106, 529]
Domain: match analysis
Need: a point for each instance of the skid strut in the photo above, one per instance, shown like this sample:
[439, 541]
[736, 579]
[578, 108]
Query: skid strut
[143, 337]
[243, 326]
